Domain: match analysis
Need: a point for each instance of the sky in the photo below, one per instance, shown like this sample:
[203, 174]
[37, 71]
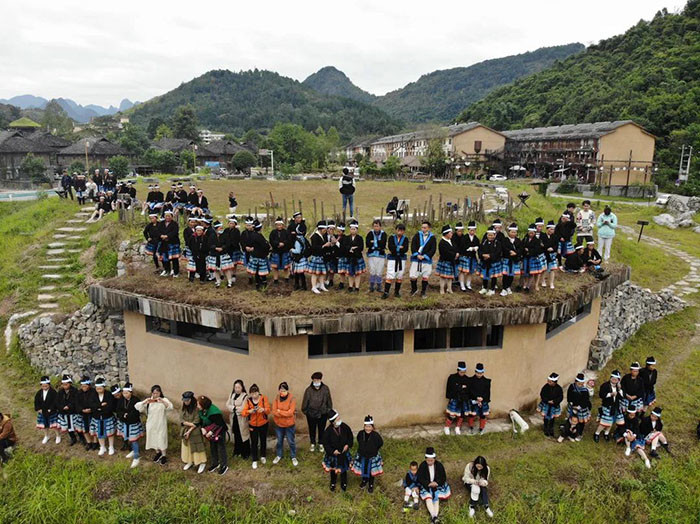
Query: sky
[102, 52]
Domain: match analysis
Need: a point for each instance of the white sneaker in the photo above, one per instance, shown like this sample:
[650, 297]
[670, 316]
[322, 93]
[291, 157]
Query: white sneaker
[135, 463]
[483, 291]
[276, 460]
[469, 287]
[202, 467]
[628, 452]
[490, 293]
[315, 290]
[130, 454]
[172, 273]
[489, 513]
[111, 450]
[647, 463]
[102, 451]
[320, 448]
[58, 439]
[510, 291]
[264, 460]
[163, 273]
[323, 288]
[295, 462]
[504, 293]
[471, 513]
[458, 431]
[255, 465]
[312, 448]
[45, 439]
[462, 288]
[447, 430]
[544, 284]
[187, 466]
[551, 286]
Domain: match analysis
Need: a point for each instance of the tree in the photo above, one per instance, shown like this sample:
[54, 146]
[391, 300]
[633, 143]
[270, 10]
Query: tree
[161, 161]
[392, 166]
[185, 123]
[244, 160]
[134, 139]
[56, 120]
[163, 131]
[252, 137]
[187, 158]
[119, 165]
[34, 168]
[435, 159]
[77, 167]
[292, 145]
[153, 125]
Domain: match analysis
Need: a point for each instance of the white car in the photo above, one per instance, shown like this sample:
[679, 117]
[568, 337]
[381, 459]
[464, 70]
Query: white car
[497, 178]
[661, 199]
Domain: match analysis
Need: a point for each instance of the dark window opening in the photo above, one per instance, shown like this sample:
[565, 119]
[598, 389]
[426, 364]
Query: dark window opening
[218, 337]
[560, 324]
[445, 339]
[355, 343]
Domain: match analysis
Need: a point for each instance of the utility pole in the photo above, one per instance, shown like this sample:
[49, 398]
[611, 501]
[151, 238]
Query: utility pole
[87, 166]
[272, 161]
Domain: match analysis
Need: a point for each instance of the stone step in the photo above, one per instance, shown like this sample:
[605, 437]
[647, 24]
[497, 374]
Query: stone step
[74, 237]
[83, 214]
[53, 266]
[74, 250]
[60, 235]
[75, 221]
[48, 305]
[55, 245]
[45, 296]
[47, 288]
[90, 208]
[52, 276]
[51, 252]
[71, 229]
[56, 259]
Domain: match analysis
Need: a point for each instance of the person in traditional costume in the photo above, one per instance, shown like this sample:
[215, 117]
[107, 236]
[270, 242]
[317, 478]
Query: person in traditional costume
[570, 429]
[353, 247]
[239, 423]
[490, 266]
[533, 252]
[152, 235]
[84, 402]
[116, 391]
[457, 394]
[330, 253]
[156, 407]
[578, 400]
[575, 262]
[610, 412]
[219, 262]
[396, 261]
[447, 260]
[67, 409]
[130, 418]
[411, 487]
[649, 376]
[633, 388]
[316, 266]
[280, 243]
[257, 409]
[549, 241]
[258, 263]
[479, 398]
[376, 241]
[423, 248]
[512, 256]
[337, 441]
[103, 424]
[187, 235]
[199, 250]
[468, 262]
[169, 248]
[246, 242]
[633, 438]
[591, 257]
[476, 478]
[551, 397]
[232, 244]
[563, 232]
[433, 484]
[368, 462]
[650, 427]
[301, 249]
[45, 407]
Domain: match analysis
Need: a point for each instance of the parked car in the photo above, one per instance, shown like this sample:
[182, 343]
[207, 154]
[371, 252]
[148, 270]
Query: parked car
[497, 178]
[661, 199]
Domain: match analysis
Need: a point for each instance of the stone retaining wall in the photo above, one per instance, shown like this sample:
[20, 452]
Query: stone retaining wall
[90, 341]
[624, 310]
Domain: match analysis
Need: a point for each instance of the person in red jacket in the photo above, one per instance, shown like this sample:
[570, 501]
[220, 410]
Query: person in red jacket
[283, 409]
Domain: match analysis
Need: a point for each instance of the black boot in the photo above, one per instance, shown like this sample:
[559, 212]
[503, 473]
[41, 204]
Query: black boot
[341, 285]
[545, 428]
[387, 287]
[297, 285]
[665, 446]
[73, 438]
[370, 488]
[424, 288]
[414, 288]
[344, 480]
[397, 287]
[303, 282]
[126, 446]
[334, 478]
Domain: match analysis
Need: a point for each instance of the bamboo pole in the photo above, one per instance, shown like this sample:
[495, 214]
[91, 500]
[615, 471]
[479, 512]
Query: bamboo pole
[286, 219]
[323, 214]
[315, 213]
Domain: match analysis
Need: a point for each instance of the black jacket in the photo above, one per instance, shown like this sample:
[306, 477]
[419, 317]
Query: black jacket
[45, 406]
[356, 243]
[292, 227]
[187, 234]
[470, 242]
[261, 248]
[246, 240]
[574, 262]
[424, 475]
[645, 426]
[199, 246]
[564, 230]
[516, 245]
[219, 242]
[589, 256]
[606, 396]
[549, 242]
[154, 196]
[381, 243]
[578, 398]
[457, 387]
[480, 387]
[649, 378]
[232, 240]
[632, 386]
[368, 444]
[67, 399]
[104, 409]
[84, 400]
[553, 393]
[335, 439]
[568, 430]
[532, 247]
[126, 410]
[632, 424]
[317, 240]
[448, 252]
[172, 230]
[429, 248]
[280, 236]
[397, 251]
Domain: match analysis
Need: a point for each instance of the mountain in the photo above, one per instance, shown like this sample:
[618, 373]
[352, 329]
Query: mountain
[77, 112]
[331, 81]
[237, 102]
[440, 96]
[126, 104]
[25, 101]
[649, 74]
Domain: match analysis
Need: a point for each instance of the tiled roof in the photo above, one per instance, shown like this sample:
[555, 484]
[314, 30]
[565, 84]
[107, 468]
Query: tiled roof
[568, 131]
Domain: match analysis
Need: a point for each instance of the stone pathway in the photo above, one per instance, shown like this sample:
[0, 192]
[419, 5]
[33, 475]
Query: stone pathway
[690, 283]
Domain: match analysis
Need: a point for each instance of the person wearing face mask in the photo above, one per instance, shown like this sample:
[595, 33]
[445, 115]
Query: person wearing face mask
[45, 407]
[337, 440]
[607, 224]
[316, 405]
[283, 409]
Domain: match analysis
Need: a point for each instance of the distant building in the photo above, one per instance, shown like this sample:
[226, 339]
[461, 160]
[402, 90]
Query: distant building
[224, 150]
[607, 153]
[363, 147]
[97, 151]
[24, 124]
[16, 143]
[178, 145]
[208, 136]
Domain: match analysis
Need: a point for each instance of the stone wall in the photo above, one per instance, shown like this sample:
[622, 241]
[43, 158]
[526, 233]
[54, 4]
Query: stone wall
[625, 309]
[90, 341]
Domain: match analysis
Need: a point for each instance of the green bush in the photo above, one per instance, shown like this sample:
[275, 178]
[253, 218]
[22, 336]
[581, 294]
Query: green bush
[119, 165]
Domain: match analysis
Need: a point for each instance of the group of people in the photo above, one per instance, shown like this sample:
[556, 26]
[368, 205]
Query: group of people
[87, 188]
[214, 251]
[628, 402]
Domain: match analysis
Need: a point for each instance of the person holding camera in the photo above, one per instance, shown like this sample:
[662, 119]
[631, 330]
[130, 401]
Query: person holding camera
[155, 408]
[257, 410]
[607, 224]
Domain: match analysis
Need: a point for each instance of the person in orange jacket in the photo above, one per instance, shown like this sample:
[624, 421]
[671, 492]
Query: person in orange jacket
[257, 409]
[283, 409]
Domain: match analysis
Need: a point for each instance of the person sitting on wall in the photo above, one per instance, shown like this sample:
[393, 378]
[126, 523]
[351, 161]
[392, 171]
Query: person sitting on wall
[591, 257]
[575, 262]
[476, 479]
[457, 394]
[154, 200]
[433, 483]
[102, 207]
[201, 204]
[337, 440]
[479, 398]
[392, 208]
[551, 397]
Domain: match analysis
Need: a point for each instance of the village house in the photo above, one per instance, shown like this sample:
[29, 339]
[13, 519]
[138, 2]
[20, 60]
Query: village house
[178, 145]
[97, 151]
[17, 142]
[224, 150]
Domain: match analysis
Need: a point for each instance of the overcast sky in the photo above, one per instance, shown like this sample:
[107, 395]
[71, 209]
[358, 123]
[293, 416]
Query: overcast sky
[101, 52]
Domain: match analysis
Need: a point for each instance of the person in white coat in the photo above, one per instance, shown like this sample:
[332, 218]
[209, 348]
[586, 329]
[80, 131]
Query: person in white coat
[476, 478]
[240, 432]
[156, 407]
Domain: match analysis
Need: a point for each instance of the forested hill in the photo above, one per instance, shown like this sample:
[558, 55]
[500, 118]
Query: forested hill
[237, 102]
[441, 95]
[650, 74]
[331, 81]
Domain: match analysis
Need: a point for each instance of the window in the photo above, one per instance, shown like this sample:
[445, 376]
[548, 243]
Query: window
[216, 337]
[449, 339]
[557, 326]
[346, 344]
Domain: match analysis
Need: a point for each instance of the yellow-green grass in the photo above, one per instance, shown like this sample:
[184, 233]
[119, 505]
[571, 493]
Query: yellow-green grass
[534, 480]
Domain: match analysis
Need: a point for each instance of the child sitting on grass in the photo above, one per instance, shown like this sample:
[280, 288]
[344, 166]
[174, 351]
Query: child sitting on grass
[411, 488]
[569, 429]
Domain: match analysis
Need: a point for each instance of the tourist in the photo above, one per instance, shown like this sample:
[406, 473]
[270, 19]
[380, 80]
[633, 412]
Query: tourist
[423, 247]
[650, 428]
[45, 407]
[468, 262]
[257, 409]
[513, 261]
[591, 257]
[316, 264]
[411, 487]
[66, 408]
[585, 220]
[649, 376]
[103, 206]
[634, 440]
[103, 424]
[337, 441]
[479, 398]
[213, 428]
[154, 200]
[67, 185]
[8, 438]
[392, 209]
[84, 401]
[169, 248]
[633, 388]
[280, 243]
[610, 412]
[457, 394]
[192, 449]
[396, 261]
[232, 202]
[299, 254]
[152, 235]
[433, 483]
[346, 185]
[570, 429]
[574, 262]
[156, 407]
[352, 249]
[116, 392]
[447, 259]
[232, 244]
[199, 251]
[376, 255]
[476, 478]
[331, 253]
[550, 242]
[200, 203]
[563, 232]
[368, 462]
[551, 397]
[80, 185]
[316, 405]
[130, 418]
[239, 423]
[579, 402]
[489, 263]
[258, 263]
[219, 262]
[284, 411]
[607, 224]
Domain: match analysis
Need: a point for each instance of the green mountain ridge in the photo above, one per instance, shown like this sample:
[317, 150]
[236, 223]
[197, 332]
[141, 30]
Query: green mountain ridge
[331, 81]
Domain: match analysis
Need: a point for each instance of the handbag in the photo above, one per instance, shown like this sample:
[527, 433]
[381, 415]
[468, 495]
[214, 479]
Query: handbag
[215, 430]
